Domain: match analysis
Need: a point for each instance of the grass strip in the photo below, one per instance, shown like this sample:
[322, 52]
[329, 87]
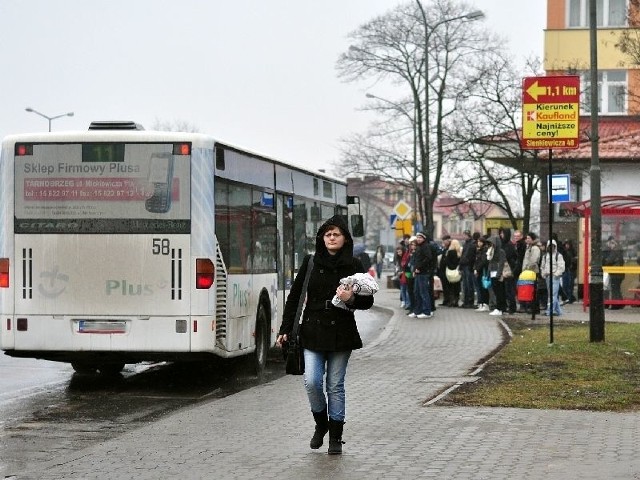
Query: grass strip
[572, 373]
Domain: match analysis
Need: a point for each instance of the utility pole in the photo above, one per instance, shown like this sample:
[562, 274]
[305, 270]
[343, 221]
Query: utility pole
[596, 294]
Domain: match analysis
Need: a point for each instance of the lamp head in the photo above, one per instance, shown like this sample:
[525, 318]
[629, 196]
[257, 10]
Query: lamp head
[475, 15]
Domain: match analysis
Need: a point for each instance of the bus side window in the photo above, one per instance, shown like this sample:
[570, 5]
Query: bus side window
[264, 234]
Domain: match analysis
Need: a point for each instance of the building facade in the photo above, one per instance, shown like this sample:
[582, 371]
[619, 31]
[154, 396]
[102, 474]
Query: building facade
[451, 215]
[567, 51]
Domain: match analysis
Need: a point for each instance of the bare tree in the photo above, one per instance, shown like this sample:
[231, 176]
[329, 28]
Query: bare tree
[427, 51]
[629, 44]
[491, 165]
[387, 150]
[629, 39]
[174, 126]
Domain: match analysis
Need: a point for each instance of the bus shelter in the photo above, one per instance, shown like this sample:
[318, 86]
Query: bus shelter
[620, 249]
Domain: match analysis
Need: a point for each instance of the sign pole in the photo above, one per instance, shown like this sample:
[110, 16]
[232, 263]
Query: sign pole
[550, 119]
[548, 251]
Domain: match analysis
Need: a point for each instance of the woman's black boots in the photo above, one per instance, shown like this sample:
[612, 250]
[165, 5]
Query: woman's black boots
[322, 427]
[335, 437]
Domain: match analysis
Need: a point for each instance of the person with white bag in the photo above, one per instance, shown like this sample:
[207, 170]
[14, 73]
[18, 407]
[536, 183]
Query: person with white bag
[452, 272]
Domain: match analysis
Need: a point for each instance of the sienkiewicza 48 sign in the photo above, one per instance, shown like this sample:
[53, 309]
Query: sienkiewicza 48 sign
[550, 112]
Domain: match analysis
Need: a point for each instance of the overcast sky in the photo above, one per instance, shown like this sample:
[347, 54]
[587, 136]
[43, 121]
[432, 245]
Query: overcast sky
[258, 74]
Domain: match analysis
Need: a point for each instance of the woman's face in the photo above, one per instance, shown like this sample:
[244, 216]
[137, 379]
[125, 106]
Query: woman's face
[334, 240]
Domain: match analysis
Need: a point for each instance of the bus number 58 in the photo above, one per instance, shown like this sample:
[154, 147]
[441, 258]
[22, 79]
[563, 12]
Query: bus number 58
[160, 246]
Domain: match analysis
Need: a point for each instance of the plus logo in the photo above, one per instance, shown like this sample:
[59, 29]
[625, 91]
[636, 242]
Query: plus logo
[53, 283]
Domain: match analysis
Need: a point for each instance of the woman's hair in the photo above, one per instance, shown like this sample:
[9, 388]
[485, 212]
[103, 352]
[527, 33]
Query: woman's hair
[326, 227]
[455, 245]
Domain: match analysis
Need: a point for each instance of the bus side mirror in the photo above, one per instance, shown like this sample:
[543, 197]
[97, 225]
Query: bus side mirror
[357, 226]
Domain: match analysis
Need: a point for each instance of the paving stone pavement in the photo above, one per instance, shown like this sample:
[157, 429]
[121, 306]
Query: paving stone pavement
[393, 431]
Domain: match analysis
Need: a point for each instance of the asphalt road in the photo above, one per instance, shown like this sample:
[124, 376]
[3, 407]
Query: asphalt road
[47, 410]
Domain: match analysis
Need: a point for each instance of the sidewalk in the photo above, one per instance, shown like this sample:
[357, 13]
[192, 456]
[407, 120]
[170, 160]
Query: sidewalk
[392, 432]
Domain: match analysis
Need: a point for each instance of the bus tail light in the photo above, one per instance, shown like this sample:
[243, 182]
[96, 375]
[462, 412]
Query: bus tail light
[205, 273]
[4, 273]
[23, 149]
[182, 149]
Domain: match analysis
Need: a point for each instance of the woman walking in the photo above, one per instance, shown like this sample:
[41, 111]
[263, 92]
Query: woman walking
[328, 334]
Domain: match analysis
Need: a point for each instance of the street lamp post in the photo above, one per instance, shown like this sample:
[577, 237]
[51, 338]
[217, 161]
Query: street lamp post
[413, 120]
[425, 154]
[68, 114]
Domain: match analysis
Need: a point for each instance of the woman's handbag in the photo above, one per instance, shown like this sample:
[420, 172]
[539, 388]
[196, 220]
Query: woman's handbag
[293, 351]
[506, 271]
[295, 357]
[486, 281]
[453, 276]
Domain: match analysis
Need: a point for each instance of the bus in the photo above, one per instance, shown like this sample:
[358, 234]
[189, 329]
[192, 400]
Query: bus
[120, 245]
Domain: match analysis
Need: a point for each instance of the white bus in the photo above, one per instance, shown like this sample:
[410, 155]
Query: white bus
[119, 245]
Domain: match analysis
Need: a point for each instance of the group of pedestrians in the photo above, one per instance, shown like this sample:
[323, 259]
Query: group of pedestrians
[416, 263]
[482, 272]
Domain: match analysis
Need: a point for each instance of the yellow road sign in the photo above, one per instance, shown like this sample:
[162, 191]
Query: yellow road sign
[402, 209]
[550, 112]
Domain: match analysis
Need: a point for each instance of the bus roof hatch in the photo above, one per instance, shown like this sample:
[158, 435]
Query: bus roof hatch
[115, 125]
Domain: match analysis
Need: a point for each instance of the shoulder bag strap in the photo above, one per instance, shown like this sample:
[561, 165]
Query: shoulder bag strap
[303, 294]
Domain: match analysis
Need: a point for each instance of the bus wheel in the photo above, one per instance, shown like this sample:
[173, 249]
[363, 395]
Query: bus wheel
[110, 369]
[259, 356]
[83, 368]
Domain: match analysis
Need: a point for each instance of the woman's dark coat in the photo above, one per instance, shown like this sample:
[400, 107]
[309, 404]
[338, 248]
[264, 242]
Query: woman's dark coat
[451, 260]
[509, 249]
[326, 327]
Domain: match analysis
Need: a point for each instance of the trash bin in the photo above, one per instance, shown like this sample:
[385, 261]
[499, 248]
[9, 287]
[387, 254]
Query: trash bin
[526, 286]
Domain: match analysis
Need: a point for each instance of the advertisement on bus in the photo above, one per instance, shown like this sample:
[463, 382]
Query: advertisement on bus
[101, 188]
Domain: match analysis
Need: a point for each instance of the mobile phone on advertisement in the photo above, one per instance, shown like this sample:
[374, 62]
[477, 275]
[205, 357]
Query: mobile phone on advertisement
[161, 177]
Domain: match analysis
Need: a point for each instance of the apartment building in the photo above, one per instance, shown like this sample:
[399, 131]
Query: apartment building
[567, 51]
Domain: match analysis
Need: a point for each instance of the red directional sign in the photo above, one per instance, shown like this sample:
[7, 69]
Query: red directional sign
[550, 112]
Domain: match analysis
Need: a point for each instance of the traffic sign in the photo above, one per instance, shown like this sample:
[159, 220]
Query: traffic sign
[401, 226]
[560, 188]
[402, 209]
[550, 112]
